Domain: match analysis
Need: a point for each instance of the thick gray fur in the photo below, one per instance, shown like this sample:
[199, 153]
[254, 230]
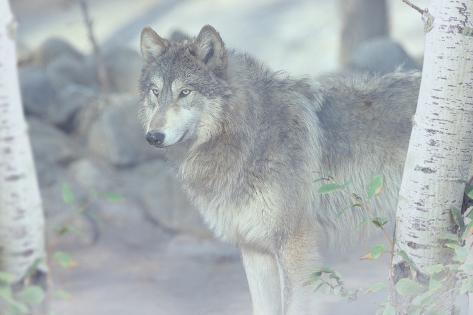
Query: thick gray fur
[258, 141]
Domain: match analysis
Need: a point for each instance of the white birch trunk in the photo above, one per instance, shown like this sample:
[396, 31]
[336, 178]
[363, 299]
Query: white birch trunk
[441, 144]
[21, 215]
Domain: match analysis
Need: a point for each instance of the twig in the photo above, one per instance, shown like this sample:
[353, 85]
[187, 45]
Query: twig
[101, 70]
[426, 16]
[414, 6]
[385, 233]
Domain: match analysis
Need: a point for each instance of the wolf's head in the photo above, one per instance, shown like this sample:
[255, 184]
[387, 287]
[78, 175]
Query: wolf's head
[183, 85]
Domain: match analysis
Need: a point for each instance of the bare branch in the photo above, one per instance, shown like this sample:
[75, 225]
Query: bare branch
[414, 6]
[101, 70]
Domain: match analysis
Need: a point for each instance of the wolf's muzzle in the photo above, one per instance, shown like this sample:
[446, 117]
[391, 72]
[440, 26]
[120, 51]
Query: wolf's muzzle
[155, 138]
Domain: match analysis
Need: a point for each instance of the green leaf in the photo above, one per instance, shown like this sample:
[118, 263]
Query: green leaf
[448, 236]
[421, 299]
[375, 252]
[461, 253]
[7, 296]
[32, 295]
[67, 194]
[452, 245]
[467, 267]
[375, 187]
[434, 284]
[389, 310]
[434, 269]
[330, 187]
[6, 278]
[408, 287]
[17, 308]
[64, 260]
[376, 287]
[379, 222]
[62, 295]
[468, 230]
[470, 193]
[112, 197]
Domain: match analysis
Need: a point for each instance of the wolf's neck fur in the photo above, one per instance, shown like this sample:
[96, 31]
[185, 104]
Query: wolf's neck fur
[267, 136]
[218, 163]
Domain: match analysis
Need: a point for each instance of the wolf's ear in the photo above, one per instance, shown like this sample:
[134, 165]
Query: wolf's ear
[210, 49]
[152, 45]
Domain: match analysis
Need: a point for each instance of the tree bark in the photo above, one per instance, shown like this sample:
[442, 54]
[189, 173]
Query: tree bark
[361, 20]
[440, 148]
[21, 216]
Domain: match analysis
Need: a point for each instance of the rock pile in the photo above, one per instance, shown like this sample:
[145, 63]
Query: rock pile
[96, 173]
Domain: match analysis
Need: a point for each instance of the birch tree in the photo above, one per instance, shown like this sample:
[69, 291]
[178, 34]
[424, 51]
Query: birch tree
[440, 151]
[21, 215]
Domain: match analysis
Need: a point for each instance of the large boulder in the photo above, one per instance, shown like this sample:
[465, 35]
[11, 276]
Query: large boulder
[117, 135]
[69, 102]
[123, 67]
[155, 184]
[54, 48]
[52, 149]
[37, 91]
[66, 70]
[112, 209]
[45, 97]
[92, 175]
[381, 55]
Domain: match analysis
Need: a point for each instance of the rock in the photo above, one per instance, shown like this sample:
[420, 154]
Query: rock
[54, 48]
[155, 184]
[69, 101]
[125, 222]
[66, 222]
[381, 55]
[92, 175]
[51, 149]
[112, 209]
[117, 135]
[37, 91]
[54, 95]
[65, 70]
[123, 66]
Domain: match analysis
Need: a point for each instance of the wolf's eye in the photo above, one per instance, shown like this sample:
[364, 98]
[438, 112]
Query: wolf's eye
[155, 92]
[184, 93]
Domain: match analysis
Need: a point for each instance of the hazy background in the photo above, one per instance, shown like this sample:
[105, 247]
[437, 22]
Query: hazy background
[111, 203]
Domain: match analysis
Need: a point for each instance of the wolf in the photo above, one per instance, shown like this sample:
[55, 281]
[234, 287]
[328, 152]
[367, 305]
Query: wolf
[255, 144]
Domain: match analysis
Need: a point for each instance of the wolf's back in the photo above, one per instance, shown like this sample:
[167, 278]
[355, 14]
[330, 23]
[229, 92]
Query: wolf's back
[366, 123]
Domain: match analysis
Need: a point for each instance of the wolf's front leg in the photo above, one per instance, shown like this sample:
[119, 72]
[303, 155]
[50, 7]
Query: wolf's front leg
[263, 279]
[297, 260]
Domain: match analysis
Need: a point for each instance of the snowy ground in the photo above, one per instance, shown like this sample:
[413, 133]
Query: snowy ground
[181, 274]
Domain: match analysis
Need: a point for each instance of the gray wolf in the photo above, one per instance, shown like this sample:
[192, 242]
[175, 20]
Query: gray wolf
[254, 144]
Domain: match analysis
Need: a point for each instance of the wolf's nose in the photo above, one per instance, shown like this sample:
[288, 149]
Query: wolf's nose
[155, 137]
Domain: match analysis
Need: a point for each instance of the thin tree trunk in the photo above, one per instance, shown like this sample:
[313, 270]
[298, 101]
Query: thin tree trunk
[102, 74]
[440, 148]
[361, 20]
[21, 216]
